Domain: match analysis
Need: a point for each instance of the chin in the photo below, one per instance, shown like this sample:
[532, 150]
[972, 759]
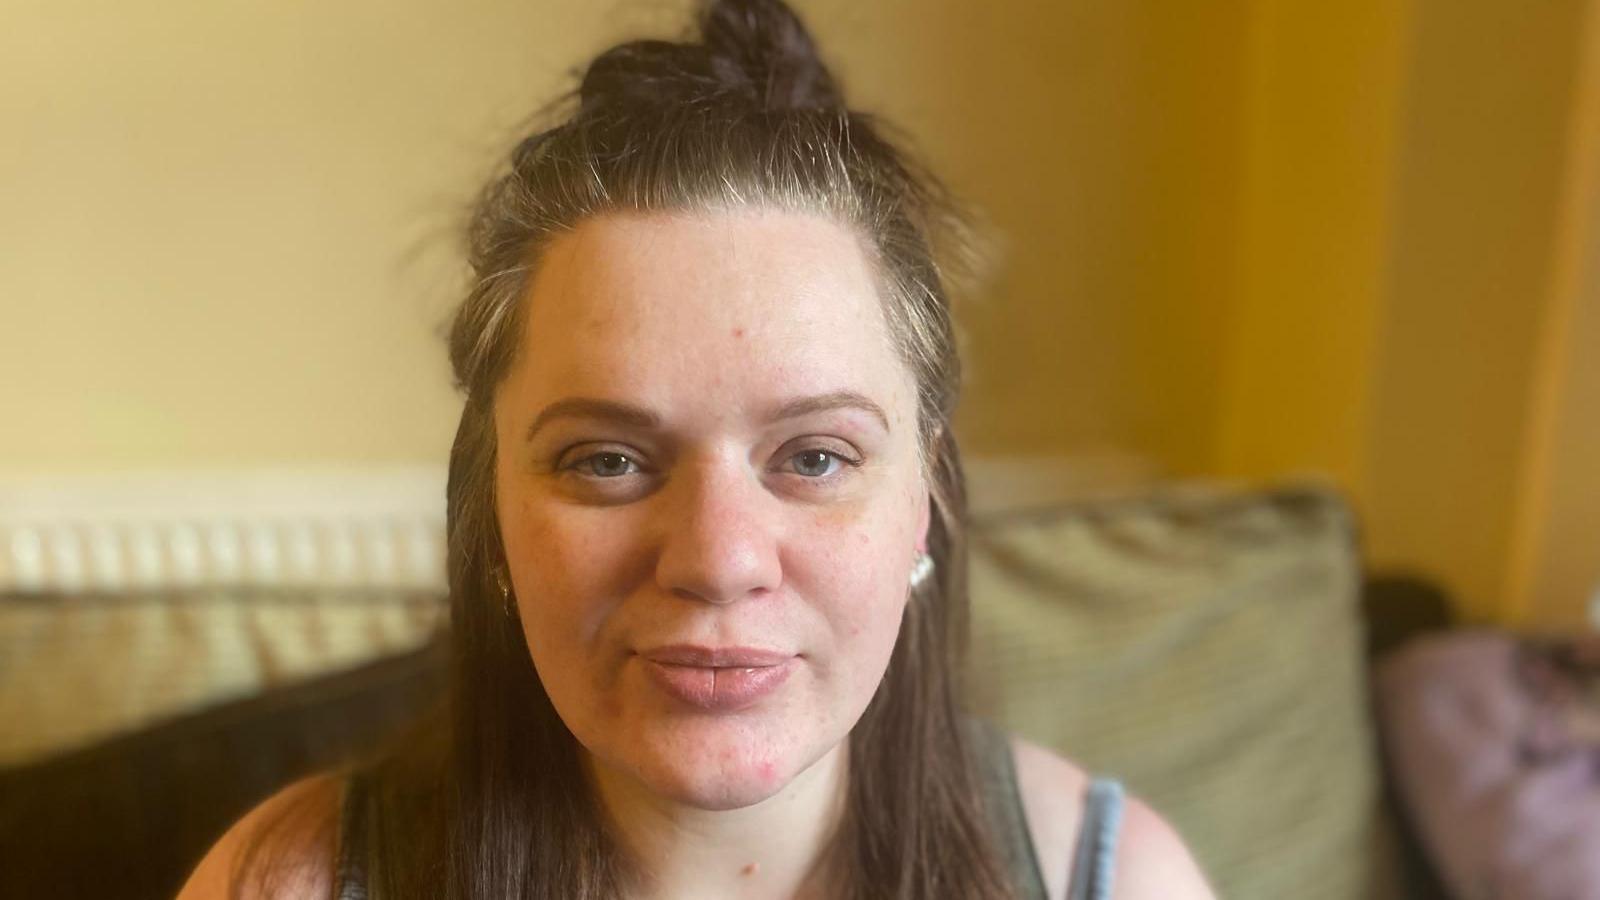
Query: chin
[723, 777]
[717, 795]
[719, 768]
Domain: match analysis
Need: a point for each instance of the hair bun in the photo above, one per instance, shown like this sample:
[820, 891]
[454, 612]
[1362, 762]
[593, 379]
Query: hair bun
[766, 43]
[754, 51]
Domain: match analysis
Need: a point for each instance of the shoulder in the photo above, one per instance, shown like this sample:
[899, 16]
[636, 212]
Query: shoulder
[1052, 801]
[1152, 860]
[285, 847]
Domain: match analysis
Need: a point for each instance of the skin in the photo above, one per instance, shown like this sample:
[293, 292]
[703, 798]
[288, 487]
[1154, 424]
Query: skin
[719, 524]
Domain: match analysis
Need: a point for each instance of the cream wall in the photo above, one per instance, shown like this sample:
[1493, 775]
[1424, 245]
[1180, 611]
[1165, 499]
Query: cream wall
[1245, 237]
[221, 221]
[230, 228]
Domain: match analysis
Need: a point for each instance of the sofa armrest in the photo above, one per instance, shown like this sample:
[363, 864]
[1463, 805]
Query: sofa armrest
[131, 816]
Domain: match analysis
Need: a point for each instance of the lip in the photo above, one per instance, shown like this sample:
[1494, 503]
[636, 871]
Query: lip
[718, 679]
[715, 657]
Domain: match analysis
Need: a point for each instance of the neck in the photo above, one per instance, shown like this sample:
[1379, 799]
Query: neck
[772, 850]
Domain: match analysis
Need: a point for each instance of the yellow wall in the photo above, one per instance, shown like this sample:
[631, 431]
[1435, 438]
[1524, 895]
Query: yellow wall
[1244, 237]
[1477, 203]
[1324, 89]
[230, 228]
[1102, 139]
[1555, 563]
[1559, 575]
[1403, 196]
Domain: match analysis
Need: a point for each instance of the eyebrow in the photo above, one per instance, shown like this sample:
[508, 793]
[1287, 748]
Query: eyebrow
[805, 406]
[591, 408]
[639, 417]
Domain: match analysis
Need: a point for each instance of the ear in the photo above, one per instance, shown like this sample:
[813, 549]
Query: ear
[924, 520]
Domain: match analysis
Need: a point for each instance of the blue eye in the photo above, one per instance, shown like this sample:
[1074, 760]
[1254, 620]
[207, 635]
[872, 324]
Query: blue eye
[816, 463]
[606, 465]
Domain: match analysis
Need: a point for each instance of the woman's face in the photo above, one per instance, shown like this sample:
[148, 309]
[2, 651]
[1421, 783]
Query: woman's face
[709, 490]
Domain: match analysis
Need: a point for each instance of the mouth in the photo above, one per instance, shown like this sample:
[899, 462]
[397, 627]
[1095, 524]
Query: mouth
[716, 657]
[718, 679]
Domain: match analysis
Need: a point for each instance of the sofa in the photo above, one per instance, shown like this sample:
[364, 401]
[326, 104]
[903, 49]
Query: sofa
[1208, 644]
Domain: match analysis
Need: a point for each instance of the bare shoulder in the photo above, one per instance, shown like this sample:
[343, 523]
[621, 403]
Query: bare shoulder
[1052, 799]
[285, 847]
[1152, 860]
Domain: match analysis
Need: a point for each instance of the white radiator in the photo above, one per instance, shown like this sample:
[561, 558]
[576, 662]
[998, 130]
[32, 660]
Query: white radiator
[366, 527]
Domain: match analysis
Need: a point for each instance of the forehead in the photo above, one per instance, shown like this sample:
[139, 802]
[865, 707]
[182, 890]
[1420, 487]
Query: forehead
[713, 304]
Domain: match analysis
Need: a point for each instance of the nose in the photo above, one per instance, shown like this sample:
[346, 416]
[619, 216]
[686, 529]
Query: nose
[719, 535]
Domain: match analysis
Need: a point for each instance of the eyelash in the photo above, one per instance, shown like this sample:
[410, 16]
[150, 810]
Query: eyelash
[832, 456]
[577, 465]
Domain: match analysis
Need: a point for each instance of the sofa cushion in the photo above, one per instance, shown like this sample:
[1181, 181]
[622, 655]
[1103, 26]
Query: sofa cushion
[1206, 647]
[79, 668]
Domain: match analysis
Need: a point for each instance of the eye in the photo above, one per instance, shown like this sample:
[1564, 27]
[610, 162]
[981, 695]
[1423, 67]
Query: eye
[605, 465]
[816, 463]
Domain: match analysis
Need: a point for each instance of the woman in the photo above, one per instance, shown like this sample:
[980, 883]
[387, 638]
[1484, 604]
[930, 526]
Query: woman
[705, 537]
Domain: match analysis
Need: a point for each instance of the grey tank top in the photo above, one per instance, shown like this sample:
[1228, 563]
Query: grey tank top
[1093, 861]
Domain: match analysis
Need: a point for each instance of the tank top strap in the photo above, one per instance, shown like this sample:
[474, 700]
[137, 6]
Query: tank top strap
[1094, 861]
[1002, 798]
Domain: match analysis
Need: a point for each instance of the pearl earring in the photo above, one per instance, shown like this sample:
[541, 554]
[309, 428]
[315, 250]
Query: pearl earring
[921, 570]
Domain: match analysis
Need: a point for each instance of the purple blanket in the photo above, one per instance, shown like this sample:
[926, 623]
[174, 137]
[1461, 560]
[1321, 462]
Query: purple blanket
[1494, 742]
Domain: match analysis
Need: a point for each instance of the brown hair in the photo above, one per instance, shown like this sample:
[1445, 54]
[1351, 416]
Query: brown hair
[745, 116]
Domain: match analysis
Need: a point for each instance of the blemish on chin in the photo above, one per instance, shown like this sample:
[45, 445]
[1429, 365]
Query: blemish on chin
[768, 772]
[738, 332]
[750, 869]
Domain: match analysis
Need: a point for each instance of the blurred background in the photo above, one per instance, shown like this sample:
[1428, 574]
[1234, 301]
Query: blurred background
[1235, 238]
[1237, 241]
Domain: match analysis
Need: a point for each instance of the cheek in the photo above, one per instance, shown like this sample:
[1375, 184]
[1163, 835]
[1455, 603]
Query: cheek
[570, 578]
[569, 574]
[858, 582]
